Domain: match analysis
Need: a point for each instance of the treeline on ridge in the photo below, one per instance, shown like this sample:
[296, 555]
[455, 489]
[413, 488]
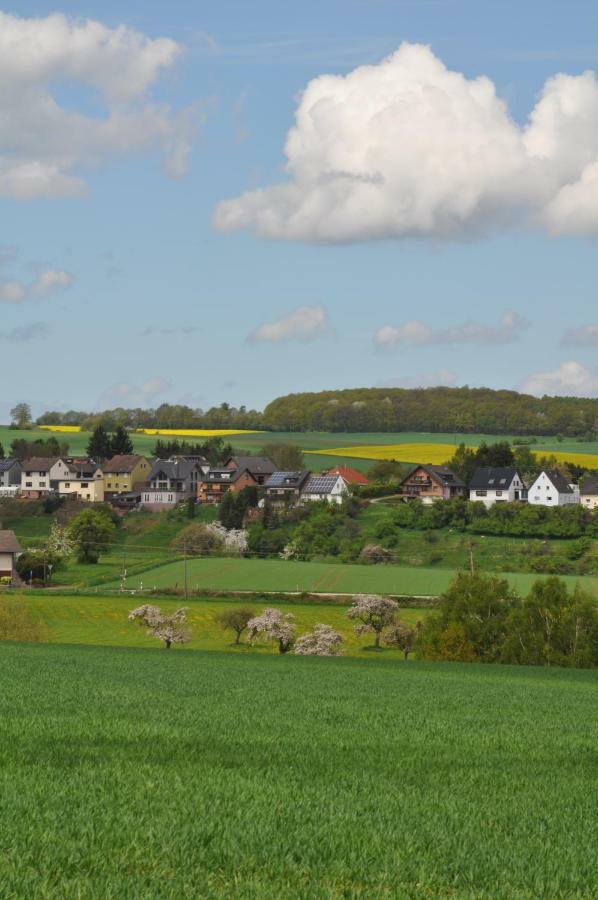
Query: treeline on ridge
[436, 409]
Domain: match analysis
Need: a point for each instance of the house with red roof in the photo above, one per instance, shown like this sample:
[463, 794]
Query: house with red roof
[351, 476]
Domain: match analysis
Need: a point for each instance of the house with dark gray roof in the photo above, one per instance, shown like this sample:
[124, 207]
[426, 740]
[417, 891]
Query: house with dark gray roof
[218, 481]
[552, 489]
[171, 481]
[40, 475]
[588, 491]
[431, 483]
[285, 487]
[491, 484]
[260, 467]
[10, 477]
[331, 488]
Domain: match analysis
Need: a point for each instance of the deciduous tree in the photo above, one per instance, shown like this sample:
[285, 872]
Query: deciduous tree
[92, 533]
[322, 641]
[235, 620]
[374, 613]
[167, 627]
[274, 625]
[21, 415]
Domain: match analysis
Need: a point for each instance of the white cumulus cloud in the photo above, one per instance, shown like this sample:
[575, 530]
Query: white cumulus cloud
[420, 334]
[303, 324]
[46, 283]
[408, 148]
[46, 147]
[569, 379]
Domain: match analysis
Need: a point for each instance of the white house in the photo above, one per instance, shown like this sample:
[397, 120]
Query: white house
[551, 489]
[325, 487]
[496, 485]
[40, 475]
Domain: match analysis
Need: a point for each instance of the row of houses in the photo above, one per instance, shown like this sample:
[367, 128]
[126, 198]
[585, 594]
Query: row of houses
[490, 485]
[132, 480]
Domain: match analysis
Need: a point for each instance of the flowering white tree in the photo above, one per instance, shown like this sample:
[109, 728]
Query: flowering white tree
[60, 541]
[276, 626]
[374, 613]
[163, 626]
[322, 641]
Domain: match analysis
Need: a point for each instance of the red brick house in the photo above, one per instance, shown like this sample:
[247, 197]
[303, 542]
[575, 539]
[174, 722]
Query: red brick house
[215, 483]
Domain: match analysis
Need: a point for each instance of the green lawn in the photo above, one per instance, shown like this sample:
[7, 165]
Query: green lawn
[97, 619]
[233, 574]
[145, 774]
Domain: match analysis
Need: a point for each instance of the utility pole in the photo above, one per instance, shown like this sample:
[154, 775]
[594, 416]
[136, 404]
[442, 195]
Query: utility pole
[185, 563]
[471, 562]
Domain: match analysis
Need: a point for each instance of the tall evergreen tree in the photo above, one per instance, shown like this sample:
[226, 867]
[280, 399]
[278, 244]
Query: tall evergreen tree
[121, 443]
[99, 445]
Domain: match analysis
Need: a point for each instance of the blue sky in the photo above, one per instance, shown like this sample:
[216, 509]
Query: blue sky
[121, 284]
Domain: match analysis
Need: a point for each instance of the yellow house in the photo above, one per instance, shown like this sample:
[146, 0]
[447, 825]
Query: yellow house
[83, 479]
[123, 474]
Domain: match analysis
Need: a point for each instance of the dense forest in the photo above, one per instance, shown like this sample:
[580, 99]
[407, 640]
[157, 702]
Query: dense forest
[438, 409]
[469, 410]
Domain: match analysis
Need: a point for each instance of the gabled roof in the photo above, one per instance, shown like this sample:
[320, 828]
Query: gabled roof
[441, 474]
[223, 475]
[287, 479]
[257, 465]
[39, 463]
[320, 484]
[123, 463]
[83, 467]
[589, 485]
[9, 543]
[351, 476]
[6, 464]
[174, 469]
[494, 478]
[558, 481]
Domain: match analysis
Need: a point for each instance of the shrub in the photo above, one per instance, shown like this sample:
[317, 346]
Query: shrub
[374, 553]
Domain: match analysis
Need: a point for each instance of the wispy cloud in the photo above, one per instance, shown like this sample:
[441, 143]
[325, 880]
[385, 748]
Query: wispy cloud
[437, 378]
[26, 332]
[181, 330]
[584, 336]
[304, 324]
[419, 334]
[128, 395]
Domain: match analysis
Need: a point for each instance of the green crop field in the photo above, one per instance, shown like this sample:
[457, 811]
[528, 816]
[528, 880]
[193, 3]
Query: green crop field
[146, 774]
[97, 619]
[318, 441]
[235, 574]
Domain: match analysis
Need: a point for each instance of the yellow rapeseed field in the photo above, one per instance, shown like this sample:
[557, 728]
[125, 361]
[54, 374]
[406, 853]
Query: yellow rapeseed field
[196, 432]
[68, 428]
[437, 454]
[589, 460]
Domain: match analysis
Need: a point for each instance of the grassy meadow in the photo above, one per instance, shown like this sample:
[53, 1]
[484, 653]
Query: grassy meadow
[237, 574]
[102, 620]
[132, 773]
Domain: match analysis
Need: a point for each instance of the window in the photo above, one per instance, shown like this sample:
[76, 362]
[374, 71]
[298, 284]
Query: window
[42, 484]
[481, 493]
[28, 484]
[67, 484]
[499, 493]
[85, 484]
[170, 498]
